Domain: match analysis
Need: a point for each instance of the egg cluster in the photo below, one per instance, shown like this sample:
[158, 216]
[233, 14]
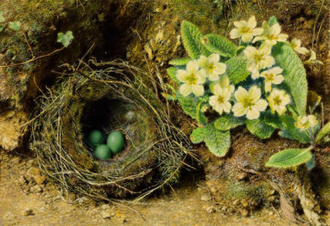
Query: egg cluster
[114, 144]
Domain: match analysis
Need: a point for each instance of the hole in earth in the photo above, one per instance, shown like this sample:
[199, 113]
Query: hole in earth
[108, 115]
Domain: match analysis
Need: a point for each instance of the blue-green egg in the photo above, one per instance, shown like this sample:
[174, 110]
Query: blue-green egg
[103, 152]
[95, 138]
[116, 141]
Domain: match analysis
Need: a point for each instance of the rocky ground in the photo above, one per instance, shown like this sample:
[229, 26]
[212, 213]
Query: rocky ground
[27, 198]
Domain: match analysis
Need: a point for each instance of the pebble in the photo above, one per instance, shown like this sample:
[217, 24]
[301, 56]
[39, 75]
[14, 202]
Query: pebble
[27, 212]
[206, 197]
[36, 189]
[106, 214]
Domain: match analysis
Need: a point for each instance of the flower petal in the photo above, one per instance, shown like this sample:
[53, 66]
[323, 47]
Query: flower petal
[198, 90]
[247, 37]
[257, 31]
[278, 79]
[282, 37]
[226, 107]
[220, 68]
[182, 75]
[241, 94]
[252, 23]
[254, 93]
[193, 66]
[217, 90]
[268, 86]
[239, 110]
[214, 58]
[219, 108]
[234, 33]
[250, 52]
[202, 61]
[275, 29]
[213, 100]
[261, 105]
[275, 70]
[185, 89]
[252, 113]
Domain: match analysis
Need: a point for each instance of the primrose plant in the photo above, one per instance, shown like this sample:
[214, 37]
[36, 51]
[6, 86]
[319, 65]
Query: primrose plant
[260, 83]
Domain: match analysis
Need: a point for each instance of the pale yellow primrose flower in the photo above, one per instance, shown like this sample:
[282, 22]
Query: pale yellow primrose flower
[258, 59]
[271, 35]
[272, 76]
[306, 122]
[313, 60]
[224, 84]
[211, 68]
[193, 82]
[220, 100]
[296, 46]
[246, 30]
[249, 103]
[278, 100]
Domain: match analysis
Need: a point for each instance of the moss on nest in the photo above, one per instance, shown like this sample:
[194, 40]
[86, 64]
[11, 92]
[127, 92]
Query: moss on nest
[119, 95]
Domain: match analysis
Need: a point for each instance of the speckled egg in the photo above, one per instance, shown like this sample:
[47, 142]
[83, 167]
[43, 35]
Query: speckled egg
[103, 152]
[116, 141]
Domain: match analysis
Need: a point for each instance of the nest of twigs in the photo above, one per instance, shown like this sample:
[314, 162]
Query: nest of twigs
[114, 96]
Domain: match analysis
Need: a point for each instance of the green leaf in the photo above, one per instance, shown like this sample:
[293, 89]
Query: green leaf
[16, 25]
[220, 45]
[322, 133]
[259, 128]
[172, 73]
[290, 131]
[294, 74]
[2, 19]
[228, 122]
[191, 38]
[179, 61]
[65, 39]
[272, 20]
[236, 69]
[1, 28]
[218, 142]
[273, 120]
[188, 104]
[290, 158]
[200, 117]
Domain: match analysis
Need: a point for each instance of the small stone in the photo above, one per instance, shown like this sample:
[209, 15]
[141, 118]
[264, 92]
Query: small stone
[242, 176]
[106, 214]
[105, 207]
[9, 216]
[36, 175]
[27, 212]
[36, 189]
[210, 209]
[206, 197]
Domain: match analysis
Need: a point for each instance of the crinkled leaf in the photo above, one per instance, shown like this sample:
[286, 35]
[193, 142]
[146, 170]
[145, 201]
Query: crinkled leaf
[272, 20]
[191, 38]
[228, 122]
[188, 104]
[325, 130]
[289, 158]
[273, 120]
[65, 39]
[172, 73]
[16, 25]
[218, 142]
[2, 19]
[294, 74]
[220, 45]
[236, 69]
[259, 128]
[179, 61]
[290, 131]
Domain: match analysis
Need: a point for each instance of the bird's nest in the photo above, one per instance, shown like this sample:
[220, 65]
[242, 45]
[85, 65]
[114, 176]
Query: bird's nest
[108, 96]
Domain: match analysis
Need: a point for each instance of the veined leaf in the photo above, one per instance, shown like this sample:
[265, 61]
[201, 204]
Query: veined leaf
[294, 74]
[15, 26]
[220, 45]
[171, 71]
[272, 20]
[236, 69]
[192, 40]
[259, 128]
[325, 130]
[218, 142]
[290, 158]
[273, 120]
[188, 104]
[290, 131]
[179, 61]
[228, 122]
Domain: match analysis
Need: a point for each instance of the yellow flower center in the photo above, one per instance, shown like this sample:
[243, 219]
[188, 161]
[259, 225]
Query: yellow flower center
[246, 30]
[210, 67]
[277, 100]
[192, 80]
[269, 77]
[258, 58]
[248, 103]
[220, 100]
[272, 37]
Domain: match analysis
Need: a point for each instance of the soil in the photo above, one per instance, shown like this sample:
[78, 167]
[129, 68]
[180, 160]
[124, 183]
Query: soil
[21, 203]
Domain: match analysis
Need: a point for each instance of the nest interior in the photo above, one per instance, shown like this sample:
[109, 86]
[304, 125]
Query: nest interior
[110, 97]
